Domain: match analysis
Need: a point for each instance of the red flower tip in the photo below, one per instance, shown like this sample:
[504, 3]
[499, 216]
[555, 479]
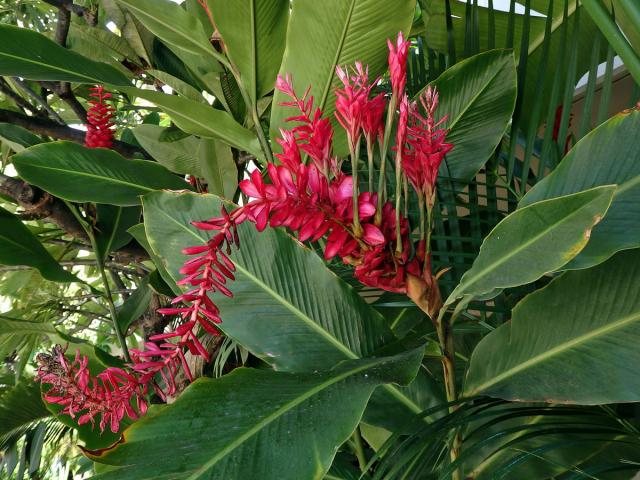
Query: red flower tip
[398, 54]
[372, 235]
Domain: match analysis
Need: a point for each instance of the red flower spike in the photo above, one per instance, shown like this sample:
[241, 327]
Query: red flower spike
[373, 119]
[425, 148]
[352, 101]
[398, 54]
[108, 396]
[99, 120]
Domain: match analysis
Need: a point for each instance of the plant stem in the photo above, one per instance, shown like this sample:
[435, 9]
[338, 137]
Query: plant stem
[107, 289]
[398, 201]
[383, 158]
[359, 449]
[357, 229]
[109, 298]
[370, 163]
[445, 337]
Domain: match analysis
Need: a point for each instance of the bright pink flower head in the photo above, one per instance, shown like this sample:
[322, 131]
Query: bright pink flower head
[398, 64]
[373, 121]
[99, 120]
[426, 146]
[352, 101]
[313, 134]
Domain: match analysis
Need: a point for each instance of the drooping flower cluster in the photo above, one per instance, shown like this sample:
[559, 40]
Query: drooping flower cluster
[99, 120]
[308, 193]
[110, 396]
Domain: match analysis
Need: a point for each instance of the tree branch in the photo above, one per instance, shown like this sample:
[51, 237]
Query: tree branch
[41, 101]
[62, 132]
[69, 6]
[42, 205]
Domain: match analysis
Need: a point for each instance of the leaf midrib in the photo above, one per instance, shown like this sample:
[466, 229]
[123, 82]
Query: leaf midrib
[334, 341]
[50, 66]
[533, 361]
[90, 175]
[278, 413]
[343, 37]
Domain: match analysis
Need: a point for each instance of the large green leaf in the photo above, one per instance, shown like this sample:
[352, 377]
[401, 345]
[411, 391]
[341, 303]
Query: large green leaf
[254, 33]
[573, 341]
[268, 425]
[18, 246]
[182, 32]
[180, 156]
[328, 33]
[288, 308]
[79, 174]
[29, 54]
[478, 96]
[534, 241]
[202, 120]
[608, 155]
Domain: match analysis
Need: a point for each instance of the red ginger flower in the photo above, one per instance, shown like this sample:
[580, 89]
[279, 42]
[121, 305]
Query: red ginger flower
[425, 147]
[99, 120]
[398, 54]
[111, 395]
[313, 134]
[352, 101]
[373, 118]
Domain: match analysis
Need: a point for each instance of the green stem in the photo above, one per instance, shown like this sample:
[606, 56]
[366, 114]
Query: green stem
[602, 18]
[357, 229]
[427, 239]
[398, 201]
[103, 274]
[252, 106]
[391, 113]
[370, 162]
[359, 449]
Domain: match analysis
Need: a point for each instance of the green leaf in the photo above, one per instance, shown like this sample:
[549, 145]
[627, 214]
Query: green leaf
[17, 138]
[478, 96]
[20, 406]
[534, 241]
[202, 120]
[573, 341]
[325, 34]
[25, 327]
[180, 156]
[288, 308]
[290, 425]
[113, 223]
[29, 54]
[608, 155]
[80, 174]
[134, 306]
[18, 246]
[179, 30]
[254, 33]
[218, 167]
